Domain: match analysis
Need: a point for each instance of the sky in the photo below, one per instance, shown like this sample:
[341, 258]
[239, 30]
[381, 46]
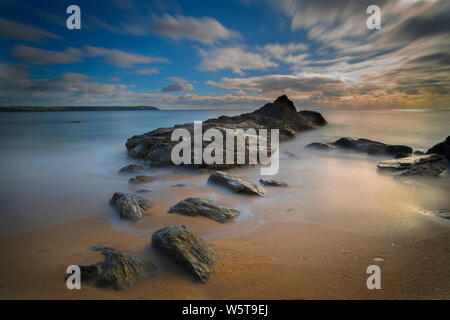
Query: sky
[226, 53]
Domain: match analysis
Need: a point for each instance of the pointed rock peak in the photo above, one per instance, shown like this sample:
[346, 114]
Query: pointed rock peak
[283, 99]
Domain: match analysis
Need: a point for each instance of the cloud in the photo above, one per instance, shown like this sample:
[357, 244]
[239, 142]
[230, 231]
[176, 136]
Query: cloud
[177, 85]
[235, 59]
[37, 56]
[204, 30]
[15, 30]
[147, 71]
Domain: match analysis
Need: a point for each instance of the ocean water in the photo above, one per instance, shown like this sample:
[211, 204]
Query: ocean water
[54, 171]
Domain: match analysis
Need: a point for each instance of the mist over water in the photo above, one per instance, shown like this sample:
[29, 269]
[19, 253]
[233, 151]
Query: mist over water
[53, 170]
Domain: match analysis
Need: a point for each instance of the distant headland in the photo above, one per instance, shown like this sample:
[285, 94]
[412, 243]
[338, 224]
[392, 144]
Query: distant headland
[78, 108]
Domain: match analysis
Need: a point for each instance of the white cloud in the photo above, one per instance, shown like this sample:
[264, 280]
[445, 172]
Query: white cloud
[147, 71]
[177, 85]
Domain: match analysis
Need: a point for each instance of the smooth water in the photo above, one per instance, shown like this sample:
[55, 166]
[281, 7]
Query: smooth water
[53, 170]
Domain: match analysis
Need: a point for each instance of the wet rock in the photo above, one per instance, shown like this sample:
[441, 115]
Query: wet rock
[118, 270]
[443, 213]
[320, 146]
[372, 147]
[131, 168]
[130, 206]
[144, 191]
[187, 249]
[178, 185]
[442, 148]
[157, 145]
[141, 180]
[418, 153]
[273, 183]
[315, 117]
[236, 184]
[207, 208]
[427, 165]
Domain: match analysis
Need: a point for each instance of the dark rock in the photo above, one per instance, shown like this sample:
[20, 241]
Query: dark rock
[273, 183]
[144, 191]
[187, 249]
[443, 213]
[118, 270]
[131, 168]
[130, 206]
[141, 180]
[320, 146]
[418, 153]
[291, 155]
[236, 184]
[442, 148]
[178, 185]
[427, 165]
[156, 145]
[204, 207]
[315, 117]
[372, 147]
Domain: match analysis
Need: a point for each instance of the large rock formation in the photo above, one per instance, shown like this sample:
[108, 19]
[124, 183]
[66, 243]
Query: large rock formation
[315, 117]
[236, 184]
[187, 249]
[427, 165]
[156, 146]
[130, 206]
[205, 207]
[442, 148]
[118, 270]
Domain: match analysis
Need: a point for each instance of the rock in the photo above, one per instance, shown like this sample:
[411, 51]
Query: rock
[428, 165]
[118, 270]
[131, 168]
[273, 183]
[187, 249]
[443, 213]
[291, 155]
[418, 153]
[236, 184]
[207, 208]
[144, 191]
[315, 117]
[371, 147]
[320, 146]
[130, 206]
[178, 185]
[156, 145]
[141, 180]
[442, 148]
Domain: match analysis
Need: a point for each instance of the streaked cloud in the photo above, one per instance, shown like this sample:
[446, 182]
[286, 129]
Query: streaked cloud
[37, 56]
[15, 30]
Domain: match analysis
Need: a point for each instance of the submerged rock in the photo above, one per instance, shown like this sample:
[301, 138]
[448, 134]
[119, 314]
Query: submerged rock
[273, 183]
[131, 168]
[141, 180]
[118, 270]
[418, 153]
[427, 165]
[315, 117]
[187, 249]
[130, 206]
[156, 145]
[204, 207]
[442, 148]
[320, 146]
[236, 184]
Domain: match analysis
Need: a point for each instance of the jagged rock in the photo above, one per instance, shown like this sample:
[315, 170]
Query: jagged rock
[156, 145]
[141, 180]
[273, 183]
[131, 168]
[187, 249]
[118, 270]
[236, 184]
[320, 146]
[315, 117]
[207, 208]
[442, 148]
[130, 206]
[427, 165]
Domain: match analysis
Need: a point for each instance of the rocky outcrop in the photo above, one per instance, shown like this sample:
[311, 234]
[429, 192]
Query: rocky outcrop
[236, 184]
[156, 145]
[315, 117]
[204, 207]
[427, 165]
[132, 168]
[130, 206]
[442, 148]
[118, 270]
[187, 249]
[141, 180]
[365, 146]
[273, 183]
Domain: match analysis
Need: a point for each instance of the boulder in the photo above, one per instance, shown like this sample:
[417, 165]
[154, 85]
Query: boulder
[236, 184]
[204, 207]
[118, 270]
[156, 145]
[187, 249]
[130, 206]
[427, 165]
[320, 146]
[442, 148]
[131, 168]
[273, 183]
[315, 117]
[141, 180]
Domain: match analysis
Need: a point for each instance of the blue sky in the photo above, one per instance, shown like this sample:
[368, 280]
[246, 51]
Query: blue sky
[230, 53]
